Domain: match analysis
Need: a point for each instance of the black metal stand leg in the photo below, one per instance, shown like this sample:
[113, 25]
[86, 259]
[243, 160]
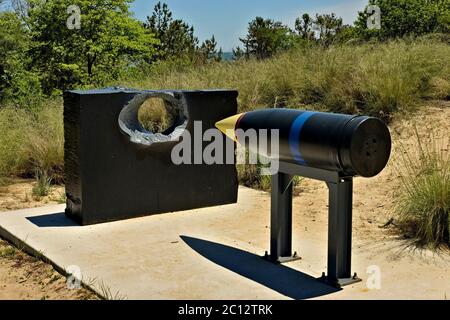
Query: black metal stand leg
[339, 220]
[281, 218]
[340, 233]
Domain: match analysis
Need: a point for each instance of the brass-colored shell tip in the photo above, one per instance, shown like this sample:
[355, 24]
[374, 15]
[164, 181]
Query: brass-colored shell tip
[228, 126]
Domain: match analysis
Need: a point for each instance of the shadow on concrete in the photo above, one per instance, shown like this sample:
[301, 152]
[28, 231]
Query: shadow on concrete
[52, 221]
[284, 280]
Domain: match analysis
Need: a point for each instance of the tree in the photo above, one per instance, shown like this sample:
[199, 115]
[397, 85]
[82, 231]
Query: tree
[238, 53]
[108, 41]
[265, 37]
[18, 83]
[208, 50]
[304, 27]
[328, 27]
[346, 33]
[406, 17]
[21, 7]
[176, 38]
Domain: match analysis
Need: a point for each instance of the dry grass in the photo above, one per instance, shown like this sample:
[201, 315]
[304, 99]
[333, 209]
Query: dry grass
[32, 141]
[423, 201]
[376, 79]
[154, 115]
[42, 186]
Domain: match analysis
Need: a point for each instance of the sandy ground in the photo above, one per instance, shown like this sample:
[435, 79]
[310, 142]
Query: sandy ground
[26, 277]
[23, 277]
[17, 194]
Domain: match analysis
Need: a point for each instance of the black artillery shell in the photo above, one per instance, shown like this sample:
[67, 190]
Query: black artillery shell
[352, 145]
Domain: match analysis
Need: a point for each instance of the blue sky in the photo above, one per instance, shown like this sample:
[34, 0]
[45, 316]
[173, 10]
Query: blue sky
[228, 19]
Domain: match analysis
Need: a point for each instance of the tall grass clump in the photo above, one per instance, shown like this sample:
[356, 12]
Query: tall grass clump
[423, 201]
[32, 141]
[155, 115]
[12, 138]
[42, 186]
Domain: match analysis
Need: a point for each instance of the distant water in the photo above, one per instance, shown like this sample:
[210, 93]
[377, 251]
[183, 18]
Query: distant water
[227, 56]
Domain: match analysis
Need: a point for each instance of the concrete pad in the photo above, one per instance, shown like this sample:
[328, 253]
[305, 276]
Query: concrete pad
[214, 253]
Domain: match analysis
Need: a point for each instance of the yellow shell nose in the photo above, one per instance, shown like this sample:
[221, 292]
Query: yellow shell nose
[228, 126]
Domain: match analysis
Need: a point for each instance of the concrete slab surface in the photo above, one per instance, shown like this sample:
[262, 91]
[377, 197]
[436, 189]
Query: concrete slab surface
[214, 253]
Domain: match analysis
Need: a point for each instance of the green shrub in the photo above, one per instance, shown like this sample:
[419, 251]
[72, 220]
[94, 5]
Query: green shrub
[42, 186]
[423, 202]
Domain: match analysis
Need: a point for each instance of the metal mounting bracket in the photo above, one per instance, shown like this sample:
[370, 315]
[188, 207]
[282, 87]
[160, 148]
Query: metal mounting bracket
[339, 220]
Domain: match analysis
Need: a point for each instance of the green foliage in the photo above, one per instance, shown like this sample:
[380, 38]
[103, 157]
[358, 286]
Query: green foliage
[18, 83]
[176, 38]
[266, 37]
[177, 41]
[328, 27]
[407, 17]
[108, 41]
[208, 51]
[238, 53]
[304, 27]
[346, 34]
[423, 202]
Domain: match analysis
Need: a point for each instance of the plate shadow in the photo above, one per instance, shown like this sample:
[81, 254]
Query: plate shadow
[53, 220]
[287, 281]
